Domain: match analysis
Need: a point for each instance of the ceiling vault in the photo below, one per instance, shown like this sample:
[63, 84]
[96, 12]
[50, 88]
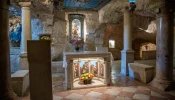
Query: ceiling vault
[85, 4]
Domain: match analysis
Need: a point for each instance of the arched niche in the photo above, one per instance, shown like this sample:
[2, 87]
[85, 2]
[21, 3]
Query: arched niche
[76, 25]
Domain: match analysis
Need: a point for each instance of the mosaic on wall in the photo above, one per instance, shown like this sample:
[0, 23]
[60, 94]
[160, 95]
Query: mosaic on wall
[15, 31]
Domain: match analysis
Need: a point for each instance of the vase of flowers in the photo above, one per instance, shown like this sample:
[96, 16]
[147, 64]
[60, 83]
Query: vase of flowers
[77, 48]
[86, 78]
[77, 42]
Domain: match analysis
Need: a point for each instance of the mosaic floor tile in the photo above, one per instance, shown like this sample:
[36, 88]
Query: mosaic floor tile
[57, 97]
[129, 89]
[88, 98]
[94, 94]
[74, 96]
[126, 94]
[107, 97]
[112, 92]
[141, 97]
[122, 98]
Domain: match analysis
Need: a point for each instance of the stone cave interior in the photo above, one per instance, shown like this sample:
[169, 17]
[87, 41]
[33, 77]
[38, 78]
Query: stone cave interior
[126, 48]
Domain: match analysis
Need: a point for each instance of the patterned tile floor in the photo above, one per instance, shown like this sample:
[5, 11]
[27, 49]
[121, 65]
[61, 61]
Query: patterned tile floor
[122, 88]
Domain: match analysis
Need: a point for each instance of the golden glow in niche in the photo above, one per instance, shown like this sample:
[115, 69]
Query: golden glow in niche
[111, 43]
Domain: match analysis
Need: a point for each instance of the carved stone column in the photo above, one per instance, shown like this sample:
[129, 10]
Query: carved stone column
[98, 64]
[79, 70]
[26, 25]
[5, 79]
[69, 74]
[108, 73]
[127, 53]
[26, 33]
[89, 65]
[164, 58]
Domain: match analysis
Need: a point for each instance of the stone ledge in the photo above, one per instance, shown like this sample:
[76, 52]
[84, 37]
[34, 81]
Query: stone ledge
[141, 72]
[20, 82]
[23, 55]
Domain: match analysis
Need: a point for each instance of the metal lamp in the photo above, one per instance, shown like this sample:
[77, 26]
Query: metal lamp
[132, 5]
[132, 1]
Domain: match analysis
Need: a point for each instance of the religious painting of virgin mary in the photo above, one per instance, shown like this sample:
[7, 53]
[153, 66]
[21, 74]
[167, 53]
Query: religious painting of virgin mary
[15, 34]
[76, 30]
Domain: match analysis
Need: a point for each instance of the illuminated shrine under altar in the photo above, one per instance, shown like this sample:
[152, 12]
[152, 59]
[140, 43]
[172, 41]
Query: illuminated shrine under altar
[92, 65]
[78, 63]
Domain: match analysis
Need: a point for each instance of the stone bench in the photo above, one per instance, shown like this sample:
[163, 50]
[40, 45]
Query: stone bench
[20, 82]
[141, 72]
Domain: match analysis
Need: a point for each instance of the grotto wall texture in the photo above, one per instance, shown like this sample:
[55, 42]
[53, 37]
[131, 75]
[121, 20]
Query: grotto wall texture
[143, 24]
[91, 24]
[59, 38]
[139, 37]
[102, 25]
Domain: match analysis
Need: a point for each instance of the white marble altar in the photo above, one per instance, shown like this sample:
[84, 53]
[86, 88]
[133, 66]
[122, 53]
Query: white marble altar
[70, 57]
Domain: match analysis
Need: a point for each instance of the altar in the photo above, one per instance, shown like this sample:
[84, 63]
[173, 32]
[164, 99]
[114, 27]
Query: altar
[78, 63]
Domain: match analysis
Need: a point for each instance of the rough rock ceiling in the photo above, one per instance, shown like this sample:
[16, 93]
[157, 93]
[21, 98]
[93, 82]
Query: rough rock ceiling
[87, 4]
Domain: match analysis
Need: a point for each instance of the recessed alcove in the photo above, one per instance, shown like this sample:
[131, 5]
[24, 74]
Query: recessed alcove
[78, 63]
[94, 65]
[111, 43]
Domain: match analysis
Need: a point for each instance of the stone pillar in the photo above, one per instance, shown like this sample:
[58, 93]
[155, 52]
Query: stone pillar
[164, 57]
[5, 79]
[89, 65]
[127, 53]
[79, 70]
[105, 71]
[108, 73]
[26, 33]
[69, 74]
[104, 66]
[98, 64]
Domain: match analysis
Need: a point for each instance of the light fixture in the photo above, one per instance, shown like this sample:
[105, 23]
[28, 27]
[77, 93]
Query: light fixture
[132, 5]
[58, 4]
[133, 1]
[111, 43]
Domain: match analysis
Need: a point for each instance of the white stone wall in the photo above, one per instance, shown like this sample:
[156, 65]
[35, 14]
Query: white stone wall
[59, 38]
[37, 28]
[112, 12]
[92, 22]
[91, 25]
